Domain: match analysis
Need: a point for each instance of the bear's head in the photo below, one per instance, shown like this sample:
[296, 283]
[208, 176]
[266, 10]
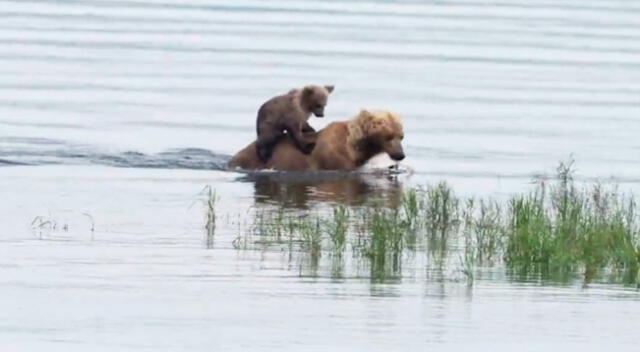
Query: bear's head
[314, 98]
[373, 132]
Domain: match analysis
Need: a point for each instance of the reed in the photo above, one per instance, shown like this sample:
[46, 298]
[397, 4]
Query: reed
[556, 231]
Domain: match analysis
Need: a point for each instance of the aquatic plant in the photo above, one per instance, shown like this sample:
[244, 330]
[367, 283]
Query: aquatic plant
[573, 230]
[386, 230]
[556, 231]
[311, 236]
[483, 231]
[337, 227]
[441, 208]
[210, 206]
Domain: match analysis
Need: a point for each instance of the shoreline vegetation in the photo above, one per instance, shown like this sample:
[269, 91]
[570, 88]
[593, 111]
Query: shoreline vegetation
[557, 232]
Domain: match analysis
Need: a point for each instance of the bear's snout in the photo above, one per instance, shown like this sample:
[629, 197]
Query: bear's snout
[394, 149]
[397, 156]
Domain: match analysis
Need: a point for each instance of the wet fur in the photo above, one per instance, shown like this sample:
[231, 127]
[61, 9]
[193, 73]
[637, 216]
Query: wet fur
[289, 113]
[344, 145]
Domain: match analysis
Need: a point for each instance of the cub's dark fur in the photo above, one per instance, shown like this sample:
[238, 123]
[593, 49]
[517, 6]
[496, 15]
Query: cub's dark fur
[290, 112]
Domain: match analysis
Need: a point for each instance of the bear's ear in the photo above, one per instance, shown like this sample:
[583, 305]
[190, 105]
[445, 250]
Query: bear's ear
[364, 112]
[329, 88]
[368, 122]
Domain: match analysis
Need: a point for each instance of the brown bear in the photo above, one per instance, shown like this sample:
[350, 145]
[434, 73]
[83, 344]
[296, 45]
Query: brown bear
[343, 145]
[290, 112]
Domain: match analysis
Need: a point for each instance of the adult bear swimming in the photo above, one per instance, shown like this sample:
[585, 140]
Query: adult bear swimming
[344, 145]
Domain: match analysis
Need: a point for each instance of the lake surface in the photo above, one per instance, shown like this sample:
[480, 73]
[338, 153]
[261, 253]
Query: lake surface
[115, 115]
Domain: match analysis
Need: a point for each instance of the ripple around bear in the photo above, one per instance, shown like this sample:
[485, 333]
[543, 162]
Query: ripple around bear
[290, 112]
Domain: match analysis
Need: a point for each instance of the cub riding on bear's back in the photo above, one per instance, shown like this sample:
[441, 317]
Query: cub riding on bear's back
[290, 112]
[341, 145]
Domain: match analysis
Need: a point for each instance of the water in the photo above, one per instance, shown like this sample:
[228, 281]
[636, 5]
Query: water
[116, 114]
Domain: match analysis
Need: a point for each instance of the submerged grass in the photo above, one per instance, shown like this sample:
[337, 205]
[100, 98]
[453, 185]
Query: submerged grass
[441, 208]
[338, 227]
[483, 233]
[556, 231]
[570, 230]
[210, 214]
[386, 243]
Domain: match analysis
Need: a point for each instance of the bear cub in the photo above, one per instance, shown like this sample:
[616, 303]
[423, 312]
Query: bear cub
[289, 113]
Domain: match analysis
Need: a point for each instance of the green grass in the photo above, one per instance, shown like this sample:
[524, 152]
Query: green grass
[557, 231]
[560, 230]
[385, 243]
[337, 228]
[440, 210]
[483, 232]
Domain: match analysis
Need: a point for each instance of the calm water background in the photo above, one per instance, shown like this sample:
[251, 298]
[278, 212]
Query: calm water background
[125, 110]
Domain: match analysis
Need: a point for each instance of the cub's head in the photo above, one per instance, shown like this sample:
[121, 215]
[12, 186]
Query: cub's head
[314, 99]
[374, 132]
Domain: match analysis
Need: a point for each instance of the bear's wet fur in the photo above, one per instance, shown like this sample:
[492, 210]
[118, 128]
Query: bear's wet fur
[342, 145]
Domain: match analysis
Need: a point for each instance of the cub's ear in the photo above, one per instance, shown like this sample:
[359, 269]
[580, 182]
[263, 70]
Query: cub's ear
[329, 88]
